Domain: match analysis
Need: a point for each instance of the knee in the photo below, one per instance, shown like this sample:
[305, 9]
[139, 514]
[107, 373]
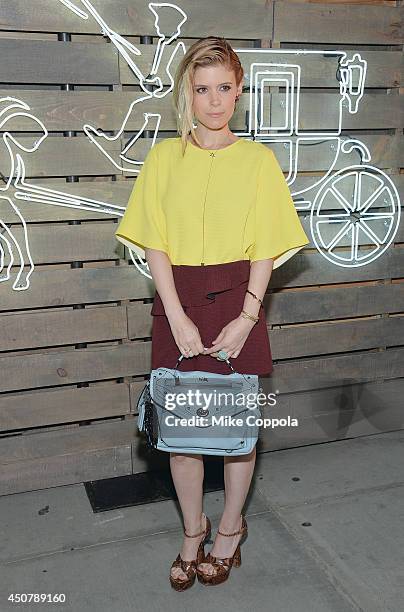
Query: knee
[182, 459]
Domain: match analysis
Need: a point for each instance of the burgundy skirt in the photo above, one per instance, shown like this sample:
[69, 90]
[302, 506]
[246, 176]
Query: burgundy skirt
[211, 295]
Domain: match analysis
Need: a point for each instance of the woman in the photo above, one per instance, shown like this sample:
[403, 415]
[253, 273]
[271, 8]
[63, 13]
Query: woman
[214, 215]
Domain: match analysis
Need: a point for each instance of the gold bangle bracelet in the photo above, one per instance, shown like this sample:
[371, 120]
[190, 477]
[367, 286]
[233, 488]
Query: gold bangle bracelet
[253, 294]
[247, 315]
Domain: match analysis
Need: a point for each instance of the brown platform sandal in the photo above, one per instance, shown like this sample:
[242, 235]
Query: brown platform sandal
[223, 566]
[189, 567]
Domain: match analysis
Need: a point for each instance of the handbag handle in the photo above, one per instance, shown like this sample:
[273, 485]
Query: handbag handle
[226, 360]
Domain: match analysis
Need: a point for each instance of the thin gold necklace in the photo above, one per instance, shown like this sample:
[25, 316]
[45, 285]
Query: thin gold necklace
[214, 148]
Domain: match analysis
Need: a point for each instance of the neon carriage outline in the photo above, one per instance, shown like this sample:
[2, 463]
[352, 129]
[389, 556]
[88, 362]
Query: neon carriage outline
[355, 216]
[33, 193]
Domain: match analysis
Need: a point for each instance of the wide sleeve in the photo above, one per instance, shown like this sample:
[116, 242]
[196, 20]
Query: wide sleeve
[277, 232]
[143, 223]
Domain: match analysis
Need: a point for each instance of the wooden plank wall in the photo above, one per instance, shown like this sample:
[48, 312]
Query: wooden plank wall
[75, 347]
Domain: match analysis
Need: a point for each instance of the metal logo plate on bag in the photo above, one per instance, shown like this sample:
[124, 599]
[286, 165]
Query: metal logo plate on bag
[202, 412]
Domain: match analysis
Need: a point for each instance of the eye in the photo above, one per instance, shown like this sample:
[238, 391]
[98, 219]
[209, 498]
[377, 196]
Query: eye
[227, 87]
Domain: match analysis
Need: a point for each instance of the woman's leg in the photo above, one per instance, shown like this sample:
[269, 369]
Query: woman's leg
[187, 472]
[238, 473]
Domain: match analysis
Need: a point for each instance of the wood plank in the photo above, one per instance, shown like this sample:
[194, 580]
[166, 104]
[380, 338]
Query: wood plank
[42, 460]
[313, 269]
[93, 241]
[103, 190]
[322, 23]
[77, 286]
[62, 327]
[59, 156]
[233, 18]
[139, 320]
[57, 368]
[75, 468]
[71, 110]
[67, 441]
[327, 303]
[335, 414]
[305, 181]
[322, 156]
[320, 112]
[57, 406]
[328, 233]
[76, 63]
[330, 338]
[351, 368]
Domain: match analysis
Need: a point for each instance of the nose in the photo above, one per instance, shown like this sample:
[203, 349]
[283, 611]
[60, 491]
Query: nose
[215, 100]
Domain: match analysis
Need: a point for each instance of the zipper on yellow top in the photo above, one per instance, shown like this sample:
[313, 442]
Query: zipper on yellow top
[212, 155]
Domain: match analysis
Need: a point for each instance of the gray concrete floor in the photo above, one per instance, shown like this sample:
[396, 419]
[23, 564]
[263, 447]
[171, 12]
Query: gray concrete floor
[349, 557]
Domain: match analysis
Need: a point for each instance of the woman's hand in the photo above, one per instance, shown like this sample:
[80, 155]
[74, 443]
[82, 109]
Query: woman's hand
[186, 335]
[232, 337]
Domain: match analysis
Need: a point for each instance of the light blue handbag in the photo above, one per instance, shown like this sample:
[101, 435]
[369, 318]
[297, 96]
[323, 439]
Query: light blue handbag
[200, 412]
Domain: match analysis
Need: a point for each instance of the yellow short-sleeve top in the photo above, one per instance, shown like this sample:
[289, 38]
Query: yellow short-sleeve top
[212, 206]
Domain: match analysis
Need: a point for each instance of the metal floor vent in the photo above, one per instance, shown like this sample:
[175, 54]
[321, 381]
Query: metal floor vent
[146, 487]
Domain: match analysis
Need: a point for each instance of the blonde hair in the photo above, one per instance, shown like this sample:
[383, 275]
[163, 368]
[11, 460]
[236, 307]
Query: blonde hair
[208, 51]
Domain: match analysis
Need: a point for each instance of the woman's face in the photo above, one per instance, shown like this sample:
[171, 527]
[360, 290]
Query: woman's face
[214, 92]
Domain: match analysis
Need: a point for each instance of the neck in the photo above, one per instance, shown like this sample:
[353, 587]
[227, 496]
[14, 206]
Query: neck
[213, 140]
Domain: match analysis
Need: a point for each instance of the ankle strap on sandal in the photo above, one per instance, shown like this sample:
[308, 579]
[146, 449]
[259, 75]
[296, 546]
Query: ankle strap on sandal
[236, 532]
[195, 535]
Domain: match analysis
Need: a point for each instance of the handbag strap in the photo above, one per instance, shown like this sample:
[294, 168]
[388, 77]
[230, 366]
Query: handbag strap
[226, 360]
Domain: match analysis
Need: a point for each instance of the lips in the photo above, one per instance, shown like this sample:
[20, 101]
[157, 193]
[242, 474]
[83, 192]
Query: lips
[215, 114]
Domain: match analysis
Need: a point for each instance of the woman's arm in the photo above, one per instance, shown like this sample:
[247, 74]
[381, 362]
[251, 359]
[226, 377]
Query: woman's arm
[260, 274]
[184, 330]
[161, 271]
[235, 333]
